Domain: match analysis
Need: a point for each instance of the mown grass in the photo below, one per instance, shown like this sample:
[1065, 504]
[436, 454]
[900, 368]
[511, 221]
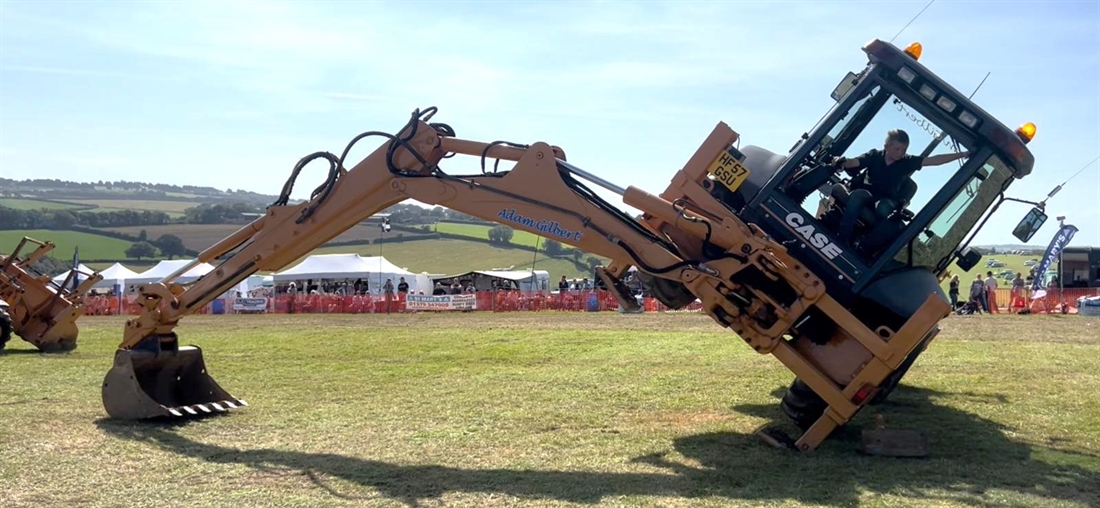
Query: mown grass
[449, 256]
[550, 410]
[177, 207]
[1012, 262]
[201, 236]
[35, 204]
[92, 246]
[519, 237]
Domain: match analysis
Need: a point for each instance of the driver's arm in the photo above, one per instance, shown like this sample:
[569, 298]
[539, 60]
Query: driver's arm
[943, 158]
[854, 163]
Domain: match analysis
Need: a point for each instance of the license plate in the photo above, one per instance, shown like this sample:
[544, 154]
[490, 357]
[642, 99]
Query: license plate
[728, 171]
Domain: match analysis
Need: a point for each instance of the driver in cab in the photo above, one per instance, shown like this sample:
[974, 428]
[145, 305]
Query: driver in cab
[883, 172]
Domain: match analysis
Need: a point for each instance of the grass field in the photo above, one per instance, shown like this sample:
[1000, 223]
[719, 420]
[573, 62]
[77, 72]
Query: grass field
[457, 256]
[433, 256]
[138, 204]
[1012, 262]
[36, 204]
[91, 246]
[519, 237]
[201, 236]
[548, 410]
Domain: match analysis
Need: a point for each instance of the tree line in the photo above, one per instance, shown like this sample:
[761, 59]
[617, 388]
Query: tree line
[206, 213]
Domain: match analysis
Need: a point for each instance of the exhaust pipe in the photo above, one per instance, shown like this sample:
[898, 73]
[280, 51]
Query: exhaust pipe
[146, 384]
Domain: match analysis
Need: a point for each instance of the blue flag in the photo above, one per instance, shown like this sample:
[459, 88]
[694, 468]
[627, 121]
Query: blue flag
[76, 267]
[1059, 242]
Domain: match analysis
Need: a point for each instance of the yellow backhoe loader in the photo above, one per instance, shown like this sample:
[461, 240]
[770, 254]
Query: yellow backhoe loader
[847, 313]
[36, 308]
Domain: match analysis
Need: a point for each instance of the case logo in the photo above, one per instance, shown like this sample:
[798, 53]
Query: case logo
[819, 241]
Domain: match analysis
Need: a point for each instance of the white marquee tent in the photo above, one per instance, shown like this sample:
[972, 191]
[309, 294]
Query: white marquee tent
[168, 267]
[526, 280]
[115, 274]
[375, 270]
[80, 277]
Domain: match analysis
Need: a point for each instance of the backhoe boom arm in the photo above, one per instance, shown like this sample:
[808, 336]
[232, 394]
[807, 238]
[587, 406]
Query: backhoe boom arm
[690, 245]
[538, 195]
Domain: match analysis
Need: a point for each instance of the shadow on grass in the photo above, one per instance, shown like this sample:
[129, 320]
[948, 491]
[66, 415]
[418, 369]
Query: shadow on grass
[970, 457]
[13, 352]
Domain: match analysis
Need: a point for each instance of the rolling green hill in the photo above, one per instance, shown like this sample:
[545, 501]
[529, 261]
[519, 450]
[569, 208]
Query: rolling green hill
[445, 256]
[449, 256]
[519, 237]
[91, 246]
[37, 204]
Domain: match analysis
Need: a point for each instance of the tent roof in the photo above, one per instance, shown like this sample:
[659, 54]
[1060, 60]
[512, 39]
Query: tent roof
[386, 267]
[80, 277]
[338, 266]
[169, 266]
[514, 275]
[118, 272]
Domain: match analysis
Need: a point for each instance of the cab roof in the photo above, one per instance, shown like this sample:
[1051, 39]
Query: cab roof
[1005, 140]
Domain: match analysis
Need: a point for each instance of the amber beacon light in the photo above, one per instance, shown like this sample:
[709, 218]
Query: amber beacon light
[914, 50]
[1026, 131]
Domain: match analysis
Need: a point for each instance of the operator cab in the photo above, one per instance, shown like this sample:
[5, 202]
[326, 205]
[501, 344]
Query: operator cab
[802, 200]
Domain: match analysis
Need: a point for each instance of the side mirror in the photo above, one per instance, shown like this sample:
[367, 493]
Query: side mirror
[968, 259]
[1030, 224]
[844, 86]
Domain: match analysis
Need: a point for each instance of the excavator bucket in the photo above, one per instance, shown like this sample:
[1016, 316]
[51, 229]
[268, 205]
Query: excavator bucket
[147, 384]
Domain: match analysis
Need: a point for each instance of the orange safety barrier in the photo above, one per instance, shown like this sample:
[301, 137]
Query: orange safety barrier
[1009, 301]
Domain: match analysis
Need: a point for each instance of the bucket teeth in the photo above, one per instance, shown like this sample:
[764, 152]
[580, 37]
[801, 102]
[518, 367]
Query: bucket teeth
[144, 384]
[222, 406]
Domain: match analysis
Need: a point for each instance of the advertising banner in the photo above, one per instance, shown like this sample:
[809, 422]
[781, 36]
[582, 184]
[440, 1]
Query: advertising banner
[1058, 243]
[250, 304]
[441, 302]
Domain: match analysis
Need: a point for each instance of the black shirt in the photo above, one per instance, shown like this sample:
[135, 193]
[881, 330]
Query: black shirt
[881, 180]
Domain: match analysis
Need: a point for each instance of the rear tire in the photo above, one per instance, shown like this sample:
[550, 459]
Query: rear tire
[894, 379]
[802, 405]
[5, 329]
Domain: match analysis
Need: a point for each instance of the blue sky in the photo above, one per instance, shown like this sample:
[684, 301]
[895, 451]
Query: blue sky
[231, 95]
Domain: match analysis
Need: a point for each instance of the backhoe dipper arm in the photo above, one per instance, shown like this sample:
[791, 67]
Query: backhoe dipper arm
[693, 246]
[539, 195]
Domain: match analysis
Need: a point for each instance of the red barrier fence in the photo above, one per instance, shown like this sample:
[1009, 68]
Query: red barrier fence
[498, 301]
[509, 301]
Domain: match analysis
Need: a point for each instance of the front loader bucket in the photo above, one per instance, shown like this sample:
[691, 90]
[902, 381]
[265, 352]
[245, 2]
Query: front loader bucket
[144, 384]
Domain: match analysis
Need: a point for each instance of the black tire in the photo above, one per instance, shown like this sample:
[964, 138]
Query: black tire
[5, 329]
[802, 405]
[891, 382]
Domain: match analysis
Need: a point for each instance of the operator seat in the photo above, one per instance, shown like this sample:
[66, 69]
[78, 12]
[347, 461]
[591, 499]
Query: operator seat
[876, 227]
[883, 208]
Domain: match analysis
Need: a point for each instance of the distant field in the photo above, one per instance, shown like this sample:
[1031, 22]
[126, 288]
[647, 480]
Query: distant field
[457, 256]
[201, 236]
[138, 204]
[36, 204]
[91, 246]
[1012, 262]
[194, 236]
[477, 231]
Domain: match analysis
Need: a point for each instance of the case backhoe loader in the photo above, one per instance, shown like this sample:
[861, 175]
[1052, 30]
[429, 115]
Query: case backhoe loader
[34, 307]
[734, 229]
